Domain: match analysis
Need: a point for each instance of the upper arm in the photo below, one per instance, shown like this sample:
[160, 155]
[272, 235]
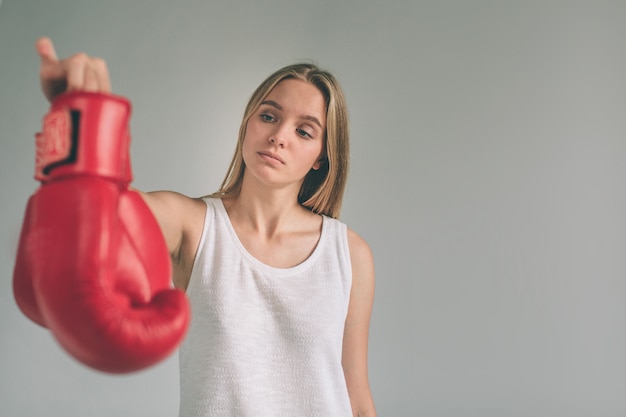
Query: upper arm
[165, 206]
[181, 219]
[356, 332]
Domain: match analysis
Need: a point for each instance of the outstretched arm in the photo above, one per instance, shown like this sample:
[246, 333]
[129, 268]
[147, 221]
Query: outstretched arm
[180, 218]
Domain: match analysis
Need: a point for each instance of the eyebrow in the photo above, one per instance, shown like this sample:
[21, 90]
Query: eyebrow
[306, 117]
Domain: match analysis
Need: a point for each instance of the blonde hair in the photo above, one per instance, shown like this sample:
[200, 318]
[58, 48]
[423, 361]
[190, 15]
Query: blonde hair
[322, 190]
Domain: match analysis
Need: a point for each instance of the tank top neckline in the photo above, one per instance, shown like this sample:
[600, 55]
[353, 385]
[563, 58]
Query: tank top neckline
[255, 262]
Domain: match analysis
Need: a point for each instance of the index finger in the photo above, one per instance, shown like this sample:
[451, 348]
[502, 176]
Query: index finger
[45, 49]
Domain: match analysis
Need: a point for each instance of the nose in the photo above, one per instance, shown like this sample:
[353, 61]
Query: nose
[274, 140]
[278, 137]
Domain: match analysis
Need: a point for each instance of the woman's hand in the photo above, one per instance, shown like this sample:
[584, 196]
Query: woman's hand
[79, 72]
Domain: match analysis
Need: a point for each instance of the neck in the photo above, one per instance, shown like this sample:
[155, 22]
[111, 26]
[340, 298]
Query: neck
[264, 209]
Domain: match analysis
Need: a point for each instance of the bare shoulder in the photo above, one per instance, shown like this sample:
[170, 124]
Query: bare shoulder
[173, 200]
[176, 213]
[363, 274]
[176, 210]
[360, 252]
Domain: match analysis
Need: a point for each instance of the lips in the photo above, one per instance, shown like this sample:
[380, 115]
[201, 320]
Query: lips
[272, 155]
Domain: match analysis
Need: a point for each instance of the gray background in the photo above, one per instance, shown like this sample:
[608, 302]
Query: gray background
[488, 174]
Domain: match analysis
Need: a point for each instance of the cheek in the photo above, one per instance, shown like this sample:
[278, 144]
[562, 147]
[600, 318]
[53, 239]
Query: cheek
[321, 150]
[250, 128]
[315, 154]
[251, 134]
[254, 126]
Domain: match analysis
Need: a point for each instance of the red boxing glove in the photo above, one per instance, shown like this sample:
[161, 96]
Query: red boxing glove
[92, 264]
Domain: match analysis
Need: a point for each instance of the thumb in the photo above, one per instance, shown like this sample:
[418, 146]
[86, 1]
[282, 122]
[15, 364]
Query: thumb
[46, 51]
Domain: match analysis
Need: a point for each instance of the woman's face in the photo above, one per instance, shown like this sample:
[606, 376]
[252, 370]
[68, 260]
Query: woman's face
[285, 136]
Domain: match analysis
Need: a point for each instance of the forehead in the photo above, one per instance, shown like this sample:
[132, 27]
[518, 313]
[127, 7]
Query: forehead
[300, 97]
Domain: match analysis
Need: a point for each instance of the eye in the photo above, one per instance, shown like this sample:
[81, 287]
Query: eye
[267, 117]
[304, 133]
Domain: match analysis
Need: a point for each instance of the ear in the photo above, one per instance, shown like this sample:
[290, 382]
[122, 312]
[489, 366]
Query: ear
[318, 163]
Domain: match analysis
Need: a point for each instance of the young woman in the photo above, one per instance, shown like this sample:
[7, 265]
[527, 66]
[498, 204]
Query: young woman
[281, 292]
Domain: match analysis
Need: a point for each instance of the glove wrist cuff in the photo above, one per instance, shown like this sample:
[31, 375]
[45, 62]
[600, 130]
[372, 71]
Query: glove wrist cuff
[85, 134]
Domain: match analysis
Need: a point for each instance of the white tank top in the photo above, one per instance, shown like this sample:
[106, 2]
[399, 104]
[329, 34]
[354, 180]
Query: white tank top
[265, 341]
